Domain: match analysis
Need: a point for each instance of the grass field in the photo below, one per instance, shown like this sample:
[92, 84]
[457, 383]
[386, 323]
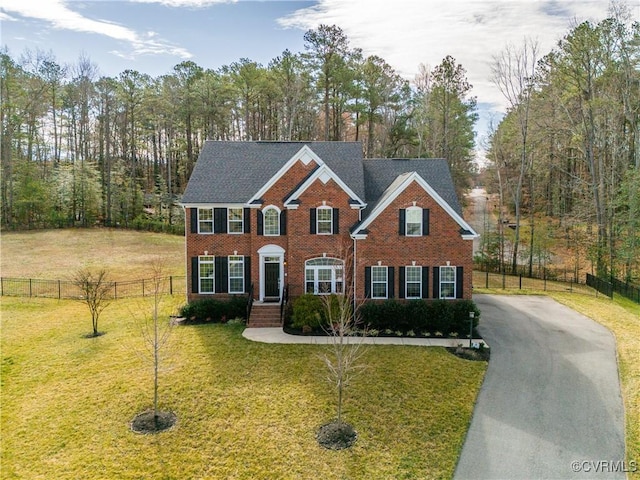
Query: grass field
[245, 410]
[57, 254]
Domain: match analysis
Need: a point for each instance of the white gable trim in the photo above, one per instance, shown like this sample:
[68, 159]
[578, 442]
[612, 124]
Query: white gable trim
[324, 174]
[305, 155]
[401, 187]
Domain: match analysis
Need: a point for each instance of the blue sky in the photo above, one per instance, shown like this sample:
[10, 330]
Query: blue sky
[152, 36]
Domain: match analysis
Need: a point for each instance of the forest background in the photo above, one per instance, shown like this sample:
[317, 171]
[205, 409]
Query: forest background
[562, 166]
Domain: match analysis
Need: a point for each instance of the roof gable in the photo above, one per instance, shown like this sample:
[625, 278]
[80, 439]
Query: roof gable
[324, 174]
[399, 185]
[235, 172]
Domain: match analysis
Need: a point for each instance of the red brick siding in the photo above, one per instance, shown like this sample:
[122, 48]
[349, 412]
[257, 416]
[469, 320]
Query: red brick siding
[443, 243]
[383, 243]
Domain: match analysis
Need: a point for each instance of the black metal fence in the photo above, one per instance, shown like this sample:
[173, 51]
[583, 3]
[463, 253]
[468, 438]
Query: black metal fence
[65, 289]
[522, 282]
[600, 285]
[626, 290]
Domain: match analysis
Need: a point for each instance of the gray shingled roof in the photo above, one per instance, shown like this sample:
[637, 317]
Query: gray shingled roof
[232, 172]
[379, 173]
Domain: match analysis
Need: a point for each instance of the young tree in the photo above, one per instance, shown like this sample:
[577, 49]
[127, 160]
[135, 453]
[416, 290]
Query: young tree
[95, 292]
[155, 332]
[343, 359]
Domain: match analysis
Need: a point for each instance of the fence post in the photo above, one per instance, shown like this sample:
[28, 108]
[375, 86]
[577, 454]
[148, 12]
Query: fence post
[115, 290]
[59, 291]
[520, 281]
[170, 284]
[143, 287]
[1, 286]
[30, 289]
[544, 273]
[504, 279]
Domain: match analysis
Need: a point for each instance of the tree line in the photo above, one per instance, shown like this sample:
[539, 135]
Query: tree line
[565, 160]
[82, 149]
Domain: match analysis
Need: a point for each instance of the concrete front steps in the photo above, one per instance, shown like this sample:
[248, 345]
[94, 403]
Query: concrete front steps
[264, 315]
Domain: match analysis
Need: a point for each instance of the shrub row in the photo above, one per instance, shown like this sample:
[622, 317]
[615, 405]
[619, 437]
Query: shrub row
[214, 310]
[420, 316]
[311, 311]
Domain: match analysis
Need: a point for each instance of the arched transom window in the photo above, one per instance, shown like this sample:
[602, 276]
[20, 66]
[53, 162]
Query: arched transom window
[324, 276]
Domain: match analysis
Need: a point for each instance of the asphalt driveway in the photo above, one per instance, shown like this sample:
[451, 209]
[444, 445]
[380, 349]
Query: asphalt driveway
[550, 406]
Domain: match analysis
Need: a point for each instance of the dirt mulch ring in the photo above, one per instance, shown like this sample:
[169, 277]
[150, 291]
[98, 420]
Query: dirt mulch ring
[336, 436]
[146, 422]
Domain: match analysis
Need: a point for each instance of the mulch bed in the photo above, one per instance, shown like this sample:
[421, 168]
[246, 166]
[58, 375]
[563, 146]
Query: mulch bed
[146, 422]
[475, 354]
[336, 436]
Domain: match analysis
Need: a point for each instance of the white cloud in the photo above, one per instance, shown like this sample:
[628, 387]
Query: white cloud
[186, 3]
[409, 32]
[58, 14]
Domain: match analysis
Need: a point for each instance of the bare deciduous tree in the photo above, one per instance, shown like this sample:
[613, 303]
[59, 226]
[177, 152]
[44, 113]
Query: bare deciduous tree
[95, 291]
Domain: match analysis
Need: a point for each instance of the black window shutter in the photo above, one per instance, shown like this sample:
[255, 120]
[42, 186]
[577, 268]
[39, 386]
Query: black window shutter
[219, 220]
[425, 221]
[312, 221]
[402, 222]
[195, 276]
[336, 220]
[367, 282]
[283, 222]
[425, 282]
[247, 274]
[401, 283]
[247, 220]
[194, 220]
[390, 283]
[459, 282]
[221, 274]
[260, 223]
[436, 282]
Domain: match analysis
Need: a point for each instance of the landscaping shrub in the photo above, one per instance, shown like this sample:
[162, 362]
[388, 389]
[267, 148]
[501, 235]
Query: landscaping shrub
[307, 311]
[419, 316]
[460, 315]
[214, 310]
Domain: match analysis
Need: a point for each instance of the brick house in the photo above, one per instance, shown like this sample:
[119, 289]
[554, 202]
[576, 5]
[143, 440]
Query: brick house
[277, 217]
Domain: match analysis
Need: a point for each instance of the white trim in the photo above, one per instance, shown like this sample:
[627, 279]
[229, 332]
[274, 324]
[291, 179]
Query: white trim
[324, 174]
[229, 221]
[214, 205]
[270, 251]
[305, 155]
[409, 178]
[263, 211]
[406, 221]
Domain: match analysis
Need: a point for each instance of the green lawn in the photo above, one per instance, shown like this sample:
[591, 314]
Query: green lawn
[245, 410]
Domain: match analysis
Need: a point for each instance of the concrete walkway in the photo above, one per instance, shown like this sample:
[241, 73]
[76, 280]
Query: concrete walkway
[277, 335]
[550, 406]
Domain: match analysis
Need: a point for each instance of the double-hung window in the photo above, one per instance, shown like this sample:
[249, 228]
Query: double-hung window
[413, 222]
[413, 282]
[205, 220]
[236, 274]
[324, 221]
[206, 273]
[447, 282]
[379, 285]
[235, 216]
